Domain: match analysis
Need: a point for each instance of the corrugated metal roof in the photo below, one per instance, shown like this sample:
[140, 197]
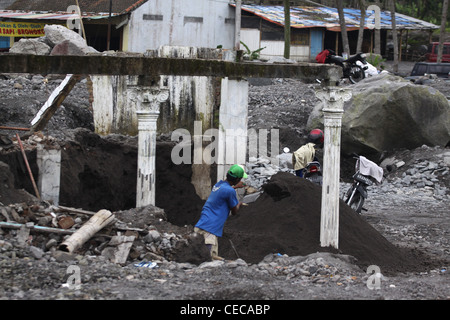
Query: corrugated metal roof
[98, 6]
[57, 9]
[326, 17]
[8, 14]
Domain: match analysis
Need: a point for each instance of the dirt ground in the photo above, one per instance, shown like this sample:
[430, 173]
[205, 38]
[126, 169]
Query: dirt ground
[271, 247]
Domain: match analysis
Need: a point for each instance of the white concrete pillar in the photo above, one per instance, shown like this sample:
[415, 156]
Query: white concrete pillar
[145, 190]
[49, 164]
[333, 99]
[148, 101]
[233, 121]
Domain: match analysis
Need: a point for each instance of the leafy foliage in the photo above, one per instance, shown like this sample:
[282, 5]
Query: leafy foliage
[251, 55]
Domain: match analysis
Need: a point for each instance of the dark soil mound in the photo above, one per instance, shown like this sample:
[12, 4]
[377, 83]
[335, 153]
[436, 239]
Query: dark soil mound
[286, 220]
[174, 191]
[100, 173]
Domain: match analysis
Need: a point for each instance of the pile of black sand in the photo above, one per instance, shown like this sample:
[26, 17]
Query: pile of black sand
[285, 219]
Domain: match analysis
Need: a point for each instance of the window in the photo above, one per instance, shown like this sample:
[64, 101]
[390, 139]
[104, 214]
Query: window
[154, 17]
[193, 19]
[300, 37]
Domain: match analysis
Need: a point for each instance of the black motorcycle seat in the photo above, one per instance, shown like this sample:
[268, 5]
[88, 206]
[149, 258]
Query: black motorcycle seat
[337, 58]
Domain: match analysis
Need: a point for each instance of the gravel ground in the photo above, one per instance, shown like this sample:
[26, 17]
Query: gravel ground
[408, 212]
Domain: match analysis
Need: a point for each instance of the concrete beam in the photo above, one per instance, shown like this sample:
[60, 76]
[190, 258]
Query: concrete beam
[140, 65]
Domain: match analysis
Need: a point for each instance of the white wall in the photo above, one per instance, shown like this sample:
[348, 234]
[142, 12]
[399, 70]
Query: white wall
[194, 23]
[251, 37]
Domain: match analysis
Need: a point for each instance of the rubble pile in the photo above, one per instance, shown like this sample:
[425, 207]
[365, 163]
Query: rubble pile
[259, 170]
[43, 228]
[101, 279]
[410, 174]
[429, 175]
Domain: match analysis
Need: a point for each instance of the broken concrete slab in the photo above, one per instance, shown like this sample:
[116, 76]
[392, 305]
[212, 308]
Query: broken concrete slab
[118, 249]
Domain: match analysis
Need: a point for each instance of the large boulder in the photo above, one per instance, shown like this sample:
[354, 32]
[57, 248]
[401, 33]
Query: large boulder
[56, 34]
[65, 41]
[30, 46]
[58, 40]
[387, 112]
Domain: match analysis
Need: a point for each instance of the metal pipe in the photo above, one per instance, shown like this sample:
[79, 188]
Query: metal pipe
[13, 225]
[16, 226]
[108, 38]
[14, 128]
[28, 167]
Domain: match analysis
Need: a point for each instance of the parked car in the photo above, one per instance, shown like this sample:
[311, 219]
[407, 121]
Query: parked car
[432, 53]
[442, 70]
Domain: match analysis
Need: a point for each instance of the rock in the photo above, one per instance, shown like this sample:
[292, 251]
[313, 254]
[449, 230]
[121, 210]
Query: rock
[30, 46]
[69, 47]
[61, 256]
[55, 34]
[152, 236]
[5, 245]
[387, 113]
[51, 243]
[285, 160]
[36, 252]
[211, 264]
[58, 40]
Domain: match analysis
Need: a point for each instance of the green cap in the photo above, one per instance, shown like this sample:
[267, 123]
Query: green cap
[237, 171]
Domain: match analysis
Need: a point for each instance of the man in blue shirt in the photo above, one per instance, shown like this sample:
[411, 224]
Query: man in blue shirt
[215, 212]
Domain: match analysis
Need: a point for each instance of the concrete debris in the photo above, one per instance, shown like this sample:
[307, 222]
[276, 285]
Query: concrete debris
[118, 249]
[422, 177]
[97, 222]
[259, 170]
[53, 229]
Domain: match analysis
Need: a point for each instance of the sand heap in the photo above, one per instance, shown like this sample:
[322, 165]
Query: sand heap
[286, 219]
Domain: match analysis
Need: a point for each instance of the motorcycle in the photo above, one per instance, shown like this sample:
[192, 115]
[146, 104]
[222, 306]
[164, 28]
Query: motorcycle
[363, 178]
[313, 172]
[351, 69]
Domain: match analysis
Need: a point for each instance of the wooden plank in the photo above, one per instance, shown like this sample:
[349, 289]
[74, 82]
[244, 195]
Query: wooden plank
[53, 103]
